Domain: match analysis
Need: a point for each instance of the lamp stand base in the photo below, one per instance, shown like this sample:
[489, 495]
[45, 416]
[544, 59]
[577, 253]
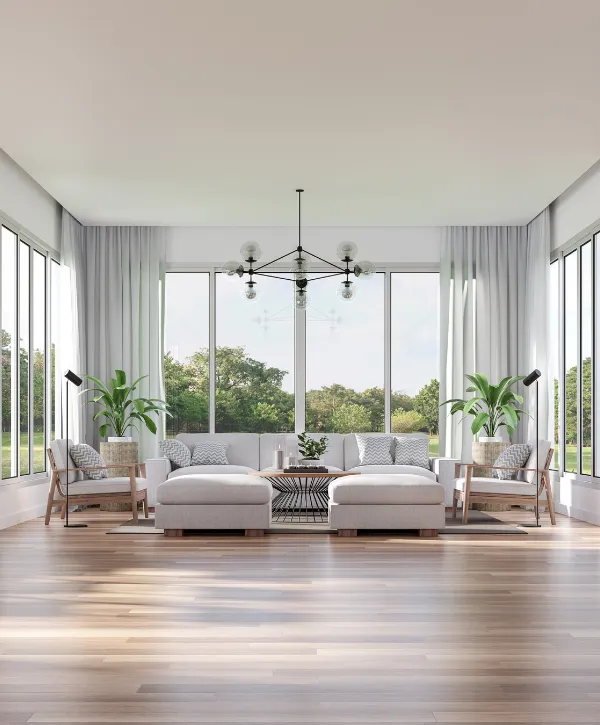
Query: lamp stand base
[531, 526]
[75, 526]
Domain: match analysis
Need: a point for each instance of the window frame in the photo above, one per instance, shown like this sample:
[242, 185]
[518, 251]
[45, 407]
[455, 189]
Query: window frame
[50, 254]
[300, 334]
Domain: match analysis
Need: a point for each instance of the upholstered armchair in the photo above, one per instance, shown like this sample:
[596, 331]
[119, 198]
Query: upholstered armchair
[519, 491]
[85, 491]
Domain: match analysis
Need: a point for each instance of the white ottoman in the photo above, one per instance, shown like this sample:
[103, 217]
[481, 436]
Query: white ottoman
[389, 501]
[214, 501]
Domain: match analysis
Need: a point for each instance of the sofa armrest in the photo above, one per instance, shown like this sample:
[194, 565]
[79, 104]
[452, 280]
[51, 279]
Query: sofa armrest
[157, 472]
[444, 469]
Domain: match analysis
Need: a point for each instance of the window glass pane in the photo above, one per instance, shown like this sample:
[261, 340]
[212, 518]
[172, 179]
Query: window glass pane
[553, 355]
[24, 356]
[39, 361]
[571, 360]
[54, 327]
[255, 357]
[416, 354]
[9, 355]
[586, 357]
[345, 357]
[186, 352]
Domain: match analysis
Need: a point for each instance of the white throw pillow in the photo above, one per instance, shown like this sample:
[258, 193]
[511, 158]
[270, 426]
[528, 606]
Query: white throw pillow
[210, 453]
[374, 450]
[514, 456]
[84, 456]
[412, 451]
[177, 452]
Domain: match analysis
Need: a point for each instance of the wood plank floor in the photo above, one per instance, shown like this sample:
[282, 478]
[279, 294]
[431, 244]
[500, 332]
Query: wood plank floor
[298, 629]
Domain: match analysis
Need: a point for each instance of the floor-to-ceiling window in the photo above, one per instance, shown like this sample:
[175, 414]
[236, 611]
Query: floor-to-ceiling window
[345, 358]
[368, 365]
[415, 354]
[29, 339]
[554, 359]
[187, 358]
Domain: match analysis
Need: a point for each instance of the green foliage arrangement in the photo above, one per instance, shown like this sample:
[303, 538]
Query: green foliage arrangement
[310, 448]
[121, 410]
[494, 406]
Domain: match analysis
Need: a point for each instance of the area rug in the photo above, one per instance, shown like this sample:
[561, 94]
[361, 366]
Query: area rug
[479, 523]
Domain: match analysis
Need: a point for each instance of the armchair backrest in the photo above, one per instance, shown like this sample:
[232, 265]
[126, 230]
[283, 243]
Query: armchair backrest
[62, 458]
[544, 449]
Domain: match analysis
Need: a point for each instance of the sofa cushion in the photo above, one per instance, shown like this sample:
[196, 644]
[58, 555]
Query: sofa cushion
[214, 489]
[193, 470]
[411, 451]
[351, 457]
[495, 485]
[386, 489]
[397, 470]
[177, 452]
[210, 453]
[242, 448]
[514, 456]
[119, 484]
[374, 450]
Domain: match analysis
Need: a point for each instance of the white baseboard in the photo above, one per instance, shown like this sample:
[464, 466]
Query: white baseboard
[22, 503]
[590, 517]
[19, 517]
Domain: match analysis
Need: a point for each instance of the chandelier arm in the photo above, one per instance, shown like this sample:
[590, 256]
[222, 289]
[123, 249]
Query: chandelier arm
[283, 256]
[331, 264]
[273, 276]
[325, 276]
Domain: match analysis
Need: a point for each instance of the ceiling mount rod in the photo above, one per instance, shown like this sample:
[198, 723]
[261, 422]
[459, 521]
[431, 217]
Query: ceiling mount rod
[299, 192]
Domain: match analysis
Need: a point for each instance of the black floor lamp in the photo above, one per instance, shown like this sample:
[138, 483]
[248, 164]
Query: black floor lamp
[73, 378]
[533, 377]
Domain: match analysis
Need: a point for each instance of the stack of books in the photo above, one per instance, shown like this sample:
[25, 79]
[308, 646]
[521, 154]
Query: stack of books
[306, 469]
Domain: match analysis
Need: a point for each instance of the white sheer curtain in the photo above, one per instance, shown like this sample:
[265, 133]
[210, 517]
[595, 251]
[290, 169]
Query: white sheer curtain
[115, 279]
[494, 311]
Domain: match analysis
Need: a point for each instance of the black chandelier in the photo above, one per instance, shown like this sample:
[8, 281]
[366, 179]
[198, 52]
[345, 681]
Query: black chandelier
[300, 268]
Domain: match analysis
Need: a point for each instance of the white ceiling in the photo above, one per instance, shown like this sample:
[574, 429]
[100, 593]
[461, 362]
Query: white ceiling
[388, 112]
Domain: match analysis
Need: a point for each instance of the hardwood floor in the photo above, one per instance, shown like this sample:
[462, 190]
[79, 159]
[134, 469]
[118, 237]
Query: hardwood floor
[298, 629]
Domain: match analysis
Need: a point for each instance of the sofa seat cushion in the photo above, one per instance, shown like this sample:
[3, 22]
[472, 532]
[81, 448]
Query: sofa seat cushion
[119, 484]
[495, 485]
[214, 489]
[397, 470]
[193, 470]
[386, 489]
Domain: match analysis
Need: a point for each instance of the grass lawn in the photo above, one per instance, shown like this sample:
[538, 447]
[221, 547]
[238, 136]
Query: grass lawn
[434, 445]
[39, 454]
[571, 462]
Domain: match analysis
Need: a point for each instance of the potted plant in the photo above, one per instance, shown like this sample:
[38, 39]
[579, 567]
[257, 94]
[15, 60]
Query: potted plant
[121, 410]
[311, 450]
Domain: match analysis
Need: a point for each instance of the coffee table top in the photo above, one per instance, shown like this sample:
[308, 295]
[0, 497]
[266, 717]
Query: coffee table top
[302, 474]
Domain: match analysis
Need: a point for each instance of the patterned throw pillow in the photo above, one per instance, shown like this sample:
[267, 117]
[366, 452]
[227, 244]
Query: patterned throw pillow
[84, 456]
[374, 450]
[515, 456]
[210, 453]
[177, 452]
[412, 451]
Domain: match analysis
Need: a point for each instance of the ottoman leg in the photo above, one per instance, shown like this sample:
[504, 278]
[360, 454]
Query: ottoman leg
[347, 532]
[173, 532]
[255, 532]
[429, 533]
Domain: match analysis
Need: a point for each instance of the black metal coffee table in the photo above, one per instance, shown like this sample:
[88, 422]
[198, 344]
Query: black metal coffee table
[301, 497]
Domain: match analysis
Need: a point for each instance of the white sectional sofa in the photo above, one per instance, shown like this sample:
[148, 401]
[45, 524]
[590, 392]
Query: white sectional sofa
[252, 452]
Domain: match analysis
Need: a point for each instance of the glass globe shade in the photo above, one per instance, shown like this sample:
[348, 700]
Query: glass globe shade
[231, 269]
[300, 266]
[250, 250]
[301, 299]
[346, 292]
[347, 249]
[365, 269]
[251, 292]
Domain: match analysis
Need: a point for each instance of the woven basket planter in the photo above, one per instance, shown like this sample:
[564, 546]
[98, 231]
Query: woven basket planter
[118, 453]
[485, 453]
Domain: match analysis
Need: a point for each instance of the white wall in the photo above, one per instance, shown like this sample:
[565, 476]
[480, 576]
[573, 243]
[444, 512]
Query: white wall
[383, 245]
[576, 208]
[25, 202]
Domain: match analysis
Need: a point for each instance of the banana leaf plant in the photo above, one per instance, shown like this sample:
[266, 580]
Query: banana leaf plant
[493, 406]
[120, 409]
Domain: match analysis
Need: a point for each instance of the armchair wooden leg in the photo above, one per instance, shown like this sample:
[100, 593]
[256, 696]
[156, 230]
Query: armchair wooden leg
[146, 504]
[63, 510]
[465, 510]
[50, 499]
[548, 488]
[133, 488]
[466, 496]
[454, 505]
